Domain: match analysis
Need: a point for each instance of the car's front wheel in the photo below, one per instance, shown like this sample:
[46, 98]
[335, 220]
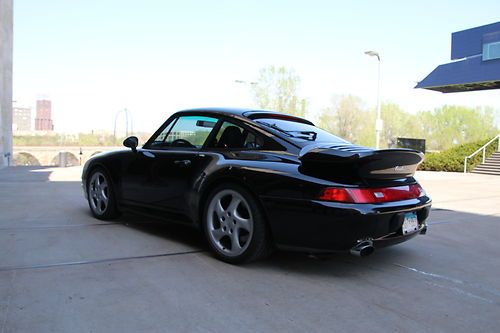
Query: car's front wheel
[101, 196]
[235, 226]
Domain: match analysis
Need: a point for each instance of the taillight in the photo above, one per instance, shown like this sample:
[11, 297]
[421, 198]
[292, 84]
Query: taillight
[372, 195]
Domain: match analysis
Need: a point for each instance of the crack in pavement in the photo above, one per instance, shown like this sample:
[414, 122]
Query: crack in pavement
[98, 261]
[58, 226]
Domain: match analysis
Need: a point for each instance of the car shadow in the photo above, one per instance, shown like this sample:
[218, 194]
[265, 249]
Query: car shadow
[172, 231]
[335, 264]
[339, 264]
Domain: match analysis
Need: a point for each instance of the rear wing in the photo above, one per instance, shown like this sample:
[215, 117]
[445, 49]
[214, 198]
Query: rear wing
[365, 162]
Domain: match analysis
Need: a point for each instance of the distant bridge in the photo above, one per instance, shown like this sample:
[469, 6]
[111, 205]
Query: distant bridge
[56, 155]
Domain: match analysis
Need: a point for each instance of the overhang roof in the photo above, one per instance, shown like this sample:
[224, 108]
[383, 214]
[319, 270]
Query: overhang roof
[464, 75]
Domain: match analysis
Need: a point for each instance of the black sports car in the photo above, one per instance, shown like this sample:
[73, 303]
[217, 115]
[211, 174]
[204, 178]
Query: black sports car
[254, 180]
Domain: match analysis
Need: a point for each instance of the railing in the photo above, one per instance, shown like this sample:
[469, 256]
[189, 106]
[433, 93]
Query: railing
[482, 149]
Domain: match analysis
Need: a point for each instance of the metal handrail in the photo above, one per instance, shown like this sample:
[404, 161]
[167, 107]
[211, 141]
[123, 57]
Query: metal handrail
[483, 149]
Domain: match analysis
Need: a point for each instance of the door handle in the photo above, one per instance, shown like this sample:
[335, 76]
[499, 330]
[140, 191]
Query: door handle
[148, 154]
[183, 163]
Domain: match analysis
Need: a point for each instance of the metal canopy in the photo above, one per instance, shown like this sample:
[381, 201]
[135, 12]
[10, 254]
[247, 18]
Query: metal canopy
[465, 75]
[477, 65]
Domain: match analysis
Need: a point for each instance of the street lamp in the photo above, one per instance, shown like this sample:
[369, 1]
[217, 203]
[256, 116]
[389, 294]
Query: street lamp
[128, 116]
[378, 122]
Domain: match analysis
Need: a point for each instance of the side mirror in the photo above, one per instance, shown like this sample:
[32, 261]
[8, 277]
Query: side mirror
[131, 142]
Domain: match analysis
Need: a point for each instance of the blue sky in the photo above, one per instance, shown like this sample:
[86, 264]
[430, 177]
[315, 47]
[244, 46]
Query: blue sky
[93, 58]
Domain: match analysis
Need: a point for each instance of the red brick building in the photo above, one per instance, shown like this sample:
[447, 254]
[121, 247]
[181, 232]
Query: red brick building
[43, 119]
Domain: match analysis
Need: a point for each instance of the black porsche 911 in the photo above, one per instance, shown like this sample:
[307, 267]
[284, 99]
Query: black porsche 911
[257, 180]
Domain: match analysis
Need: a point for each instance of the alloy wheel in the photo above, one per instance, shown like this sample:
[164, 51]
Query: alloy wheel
[229, 223]
[98, 193]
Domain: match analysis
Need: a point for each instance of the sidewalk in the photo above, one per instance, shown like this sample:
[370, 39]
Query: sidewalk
[472, 193]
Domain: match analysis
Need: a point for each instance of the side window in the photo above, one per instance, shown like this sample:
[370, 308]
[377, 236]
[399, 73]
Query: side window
[186, 131]
[235, 137]
[253, 141]
[160, 139]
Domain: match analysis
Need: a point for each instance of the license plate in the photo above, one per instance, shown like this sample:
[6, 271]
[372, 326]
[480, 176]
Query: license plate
[410, 223]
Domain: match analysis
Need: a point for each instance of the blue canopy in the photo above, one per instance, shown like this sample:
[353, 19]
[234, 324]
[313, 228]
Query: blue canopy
[464, 75]
[477, 52]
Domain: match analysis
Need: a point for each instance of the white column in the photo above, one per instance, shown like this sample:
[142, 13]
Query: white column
[5, 82]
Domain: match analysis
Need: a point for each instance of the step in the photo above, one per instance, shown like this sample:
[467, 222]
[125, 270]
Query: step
[487, 170]
[486, 173]
[483, 166]
[490, 164]
[493, 165]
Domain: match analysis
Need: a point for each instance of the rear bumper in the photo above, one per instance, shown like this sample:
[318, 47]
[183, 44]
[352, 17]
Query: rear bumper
[320, 226]
[396, 238]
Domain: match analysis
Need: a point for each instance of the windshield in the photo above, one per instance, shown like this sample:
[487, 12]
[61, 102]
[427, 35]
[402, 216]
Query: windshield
[300, 132]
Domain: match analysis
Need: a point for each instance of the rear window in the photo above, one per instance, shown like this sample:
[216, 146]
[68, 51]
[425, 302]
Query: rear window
[300, 132]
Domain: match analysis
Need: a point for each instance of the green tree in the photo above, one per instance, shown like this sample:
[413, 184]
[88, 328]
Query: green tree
[452, 125]
[277, 89]
[397, 123]
[348, 118]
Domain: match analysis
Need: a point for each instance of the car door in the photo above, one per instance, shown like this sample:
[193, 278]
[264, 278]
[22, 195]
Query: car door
[162, 174]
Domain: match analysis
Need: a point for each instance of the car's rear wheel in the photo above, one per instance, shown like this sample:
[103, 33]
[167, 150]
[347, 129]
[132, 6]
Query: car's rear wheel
[235, 226]
[101, 195]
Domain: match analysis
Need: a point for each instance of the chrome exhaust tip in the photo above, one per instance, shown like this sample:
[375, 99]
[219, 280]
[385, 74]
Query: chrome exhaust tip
[363, 248]
[423, 231]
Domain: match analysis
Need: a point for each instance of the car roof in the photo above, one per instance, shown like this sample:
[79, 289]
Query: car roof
[247, 113]
[229, 111]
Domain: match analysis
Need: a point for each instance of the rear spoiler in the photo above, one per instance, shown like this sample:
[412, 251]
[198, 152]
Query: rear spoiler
[366, 162]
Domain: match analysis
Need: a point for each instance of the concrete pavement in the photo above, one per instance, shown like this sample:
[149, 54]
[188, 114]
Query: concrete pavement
[63, 271]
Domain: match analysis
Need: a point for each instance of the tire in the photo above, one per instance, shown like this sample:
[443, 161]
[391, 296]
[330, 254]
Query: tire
[235, 226]
[101, 195]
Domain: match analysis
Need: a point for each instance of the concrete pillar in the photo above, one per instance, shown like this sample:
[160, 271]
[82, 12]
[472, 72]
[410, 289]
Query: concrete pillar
[6, 28]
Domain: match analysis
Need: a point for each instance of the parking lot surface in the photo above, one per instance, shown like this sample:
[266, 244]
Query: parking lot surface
[63, 271]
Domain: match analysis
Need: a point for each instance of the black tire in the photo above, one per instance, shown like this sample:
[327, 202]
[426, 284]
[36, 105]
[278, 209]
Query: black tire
[101, 195]
[253, 243]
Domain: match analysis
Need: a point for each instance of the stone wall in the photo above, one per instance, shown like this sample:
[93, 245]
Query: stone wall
[6, 28]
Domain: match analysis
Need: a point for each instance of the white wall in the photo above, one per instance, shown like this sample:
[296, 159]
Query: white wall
[5, 80]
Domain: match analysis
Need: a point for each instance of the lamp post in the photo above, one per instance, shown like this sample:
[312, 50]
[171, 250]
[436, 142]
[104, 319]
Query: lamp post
[378, 122]
[127, 116]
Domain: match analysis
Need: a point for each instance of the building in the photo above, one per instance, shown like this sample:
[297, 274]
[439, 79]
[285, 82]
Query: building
[21, 119]
[476, 65]
[5, 82]
[43, 120]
